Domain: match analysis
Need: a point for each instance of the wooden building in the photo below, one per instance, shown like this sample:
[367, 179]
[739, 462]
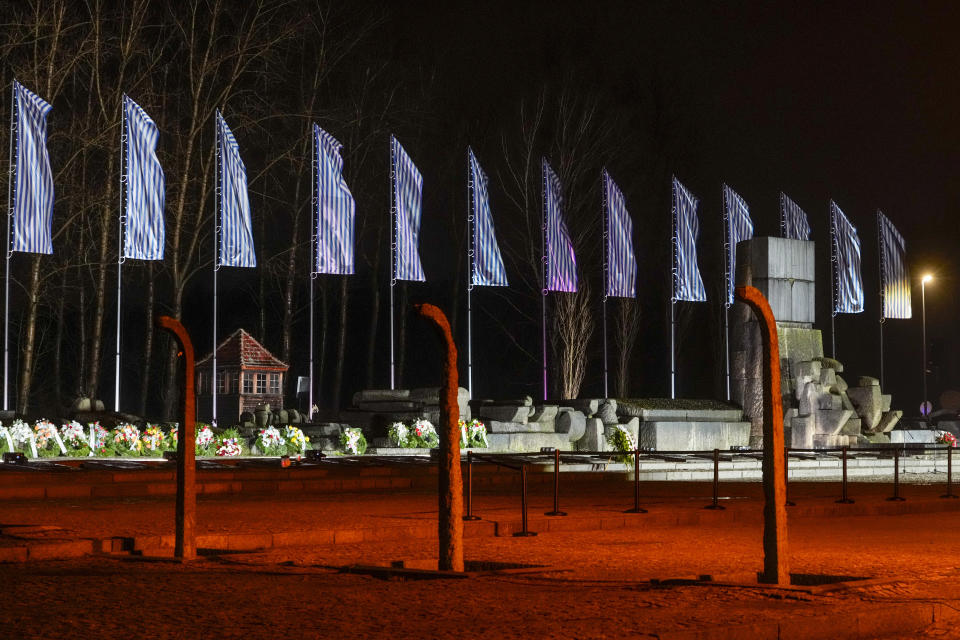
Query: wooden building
[247, 376]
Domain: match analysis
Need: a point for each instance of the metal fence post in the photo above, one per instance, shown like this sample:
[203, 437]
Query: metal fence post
[949, 493]
[556, 486]
[636, 484]
[523, 504]
[716, 483]
[844, 499]
[470, 515]
[896, 497]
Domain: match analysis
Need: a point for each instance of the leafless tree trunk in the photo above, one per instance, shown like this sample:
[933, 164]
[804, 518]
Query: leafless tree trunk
[626, 329]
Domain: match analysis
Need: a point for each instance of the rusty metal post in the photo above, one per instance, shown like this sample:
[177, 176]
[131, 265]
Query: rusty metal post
[470, 515]
[843, 483]
[896, 497]
[556, 486]
[716, 483]
[185, 544]
[636, 484]
[525, 532]
[949, 493]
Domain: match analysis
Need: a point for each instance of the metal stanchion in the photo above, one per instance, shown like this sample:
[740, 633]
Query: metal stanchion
[844, 499]
[636, 484]
[470, 515]
[716, 482]
[949, 493]
[896, 497]
[556, 486]
[786, 477]
[523, 504]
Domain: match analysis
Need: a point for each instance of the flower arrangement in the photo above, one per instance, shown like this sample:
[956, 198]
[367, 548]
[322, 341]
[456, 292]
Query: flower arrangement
[622, 441]
[153, 440]
[126, 440]
[6, 440]
[205, 443]
[46, 436]
[352, 441]
[296, 440]
[269, 442]
[399, 434]
[473, 434]
[20, 434]
[424, 434]
[103, 446]
[945, 437]
[75, 439]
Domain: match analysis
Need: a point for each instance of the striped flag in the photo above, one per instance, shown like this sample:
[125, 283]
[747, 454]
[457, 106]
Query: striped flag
[894, 276]
[143, 237]
[407, 211]
[687, 284]
[560, 263]
[845, 255]
[621, 263]
[738, 227]
[487, 267]
[793, 220]
[336, 209]
[236, 235]
[33, 194]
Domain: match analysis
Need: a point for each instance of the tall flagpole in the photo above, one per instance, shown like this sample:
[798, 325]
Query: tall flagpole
[120, 249]
[315, 201]
[393, 252]
[834, 250]
[6, 289]
[544, 265]
[726, 285]
[471, 256]
[217, 218]
[673, 296]
[606, 274]
[883, 289]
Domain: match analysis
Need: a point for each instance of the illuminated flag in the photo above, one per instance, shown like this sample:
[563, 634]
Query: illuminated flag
[144, 233]
[236, 235]
[560, 263]
[793, 220]
[621, 264]
[336, 209]
[33, 194]
[487, 267]
[687, 284]
[845, 255]
[738, 227]
[407, 210]
[894, 276]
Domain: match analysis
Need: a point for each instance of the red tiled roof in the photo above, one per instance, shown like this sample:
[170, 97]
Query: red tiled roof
[241, 349]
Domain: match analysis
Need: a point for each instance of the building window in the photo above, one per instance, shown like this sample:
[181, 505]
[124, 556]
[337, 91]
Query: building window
[261, 383]
[275, 384]
[248, 383]
[222, 382]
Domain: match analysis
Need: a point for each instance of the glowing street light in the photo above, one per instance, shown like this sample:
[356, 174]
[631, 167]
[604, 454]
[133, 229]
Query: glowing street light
[923, 305]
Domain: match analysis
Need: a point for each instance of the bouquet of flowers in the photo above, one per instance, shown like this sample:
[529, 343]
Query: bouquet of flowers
[172, 435]
[945, 437]
[424, 435]
[623, 441]
[103, 447]
[126, 440]
[47, 438]
[296, 440]
[204, 445]
[6, 440]
[473, 434]
[75, 439]
[352, 441]
[270, 443]
[399, 434]
[21, 435]
[230, 444]
[153, 440]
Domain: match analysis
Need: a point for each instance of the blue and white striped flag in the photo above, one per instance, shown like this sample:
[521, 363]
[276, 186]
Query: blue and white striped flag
[407, 211]
[33, 195]
[738, 227]
[894, 275]
[845, 250]
[488, 270]
[621, 261]
[143, 237]
[560, 262]
[687, 284]
[336, 209]
[236, 234]
[793, 220]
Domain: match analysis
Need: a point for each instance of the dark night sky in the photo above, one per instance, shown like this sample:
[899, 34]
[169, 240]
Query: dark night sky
[850, 101]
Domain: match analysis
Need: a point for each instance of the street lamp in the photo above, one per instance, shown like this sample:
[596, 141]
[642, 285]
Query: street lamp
[923, 306]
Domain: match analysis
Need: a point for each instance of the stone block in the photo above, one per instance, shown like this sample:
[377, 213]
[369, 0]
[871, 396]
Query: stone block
[867, 381]
[905, 436]
[386, 406]
[841, 384]
[592, 439]
[377, 395]
[504, 413]
[790, 300]
[867, 402]
[801, 432]
[809, 399]
[526, 442]
[587, 406]
[572, 423]
[845, 402]
[826, 441]
[607, 411]
[830, 422]
[806, 371]
[851, 428]
[694, 436]
[888, 421]
[546, 414]
[773, 257]
[828, 377]
[799, 344]
[885, 399]
[496, 426]
[830, 402]
[832, 363]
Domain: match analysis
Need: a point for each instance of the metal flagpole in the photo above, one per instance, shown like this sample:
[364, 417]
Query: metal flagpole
[217, 219]
[471, 256]
[120, 249]
[726, 331]
[834, 249]
[673, 297]
[393, 251]
[728, 273]
[6, 290]
[882, 293]
[544, 265]
[606, 276]
[315, 201]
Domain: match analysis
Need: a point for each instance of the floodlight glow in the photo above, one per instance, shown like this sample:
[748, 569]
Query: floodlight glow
[927, 278]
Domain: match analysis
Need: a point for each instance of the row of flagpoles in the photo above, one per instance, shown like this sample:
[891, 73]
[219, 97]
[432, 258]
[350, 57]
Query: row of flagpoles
[141, 230]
